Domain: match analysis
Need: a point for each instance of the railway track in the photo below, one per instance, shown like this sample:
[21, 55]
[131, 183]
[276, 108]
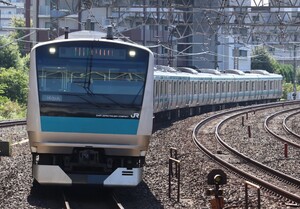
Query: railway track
[207, 137]
[291, 138]
[286, 127]
[90, 198]
[75, 197]
[6, 124]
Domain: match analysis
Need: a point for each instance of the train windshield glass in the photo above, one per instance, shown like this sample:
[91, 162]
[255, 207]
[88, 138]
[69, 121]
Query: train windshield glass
[92, 79]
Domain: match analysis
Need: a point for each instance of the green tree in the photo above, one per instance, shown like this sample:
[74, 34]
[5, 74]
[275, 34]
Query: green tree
[14, 85]
[18, 35]
[9, 54]
[261, 59]
[285, 70]
[11, 110]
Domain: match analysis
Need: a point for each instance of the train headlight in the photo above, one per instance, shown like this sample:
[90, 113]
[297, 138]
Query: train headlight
[52, 50]
[132, 53]
[143, 153]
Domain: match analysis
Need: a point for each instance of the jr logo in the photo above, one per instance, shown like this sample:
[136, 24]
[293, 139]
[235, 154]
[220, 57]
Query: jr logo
[135, 115]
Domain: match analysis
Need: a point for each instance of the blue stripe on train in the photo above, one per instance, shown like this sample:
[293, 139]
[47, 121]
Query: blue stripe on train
[89, 125]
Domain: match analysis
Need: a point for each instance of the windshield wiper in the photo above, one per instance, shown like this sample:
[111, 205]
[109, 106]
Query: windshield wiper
[138, 94]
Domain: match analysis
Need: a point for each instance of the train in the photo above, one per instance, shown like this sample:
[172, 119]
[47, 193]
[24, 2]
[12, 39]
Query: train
[90, 110]
[93, 99]
[185, 91]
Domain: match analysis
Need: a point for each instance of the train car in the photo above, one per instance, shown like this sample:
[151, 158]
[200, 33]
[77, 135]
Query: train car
[184, 92]
[90, 110]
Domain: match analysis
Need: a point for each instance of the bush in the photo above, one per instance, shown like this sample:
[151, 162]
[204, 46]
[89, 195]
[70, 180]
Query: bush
[11, 110]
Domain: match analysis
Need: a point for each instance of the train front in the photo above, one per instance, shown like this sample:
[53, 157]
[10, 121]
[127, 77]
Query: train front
[90, 111]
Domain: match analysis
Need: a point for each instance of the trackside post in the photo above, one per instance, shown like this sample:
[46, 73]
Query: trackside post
[5, 149]
[174, 159]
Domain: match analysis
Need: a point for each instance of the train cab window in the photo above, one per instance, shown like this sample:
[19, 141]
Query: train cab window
[53, 81]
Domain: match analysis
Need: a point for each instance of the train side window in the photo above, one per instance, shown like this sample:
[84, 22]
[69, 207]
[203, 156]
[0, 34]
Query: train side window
[247, 85]
[241, 86]
[205, 87]
[174, 87]
[271, 85]
[200, 87]
[195, 87]
[217, 87]
[265, 85]
[166, 88]
[179, 88]
[223, 87]
[156, 88]
[229, 87]
[252, 86]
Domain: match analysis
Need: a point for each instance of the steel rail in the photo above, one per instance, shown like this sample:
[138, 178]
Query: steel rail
[229, 166]
[266, 127]
[4, 124]
[284, 124]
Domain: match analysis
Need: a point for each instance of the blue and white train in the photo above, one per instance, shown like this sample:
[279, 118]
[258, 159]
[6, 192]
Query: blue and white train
[181, 92]
[90, 110]
[92, 101]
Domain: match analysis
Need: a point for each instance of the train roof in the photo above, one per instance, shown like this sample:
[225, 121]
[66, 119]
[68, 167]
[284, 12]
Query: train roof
[86, 35]
[167, 72]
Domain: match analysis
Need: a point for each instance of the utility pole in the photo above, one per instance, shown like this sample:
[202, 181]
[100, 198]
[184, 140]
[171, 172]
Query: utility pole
[295, 68]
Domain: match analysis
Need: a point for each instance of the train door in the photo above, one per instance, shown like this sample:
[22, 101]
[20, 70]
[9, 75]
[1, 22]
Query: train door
[179, 101]
[212, 91]
[234, 90]
[174, 94]
[247, 90]
[169, 94]
[229, 91]
[240, 90]
[252, 89]
[156, 95]
[223, 91]
[164, 93]
[264, 86]
[207, 91]
[159, 87]
[186, 93]
[218, 91]
[192, 93]
[236, 87]
[271, 88]
[195, 93]
[200, 93]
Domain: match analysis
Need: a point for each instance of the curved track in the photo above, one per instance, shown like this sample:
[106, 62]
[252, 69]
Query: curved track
[294, 142]
[247, 168]
[285, 126]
